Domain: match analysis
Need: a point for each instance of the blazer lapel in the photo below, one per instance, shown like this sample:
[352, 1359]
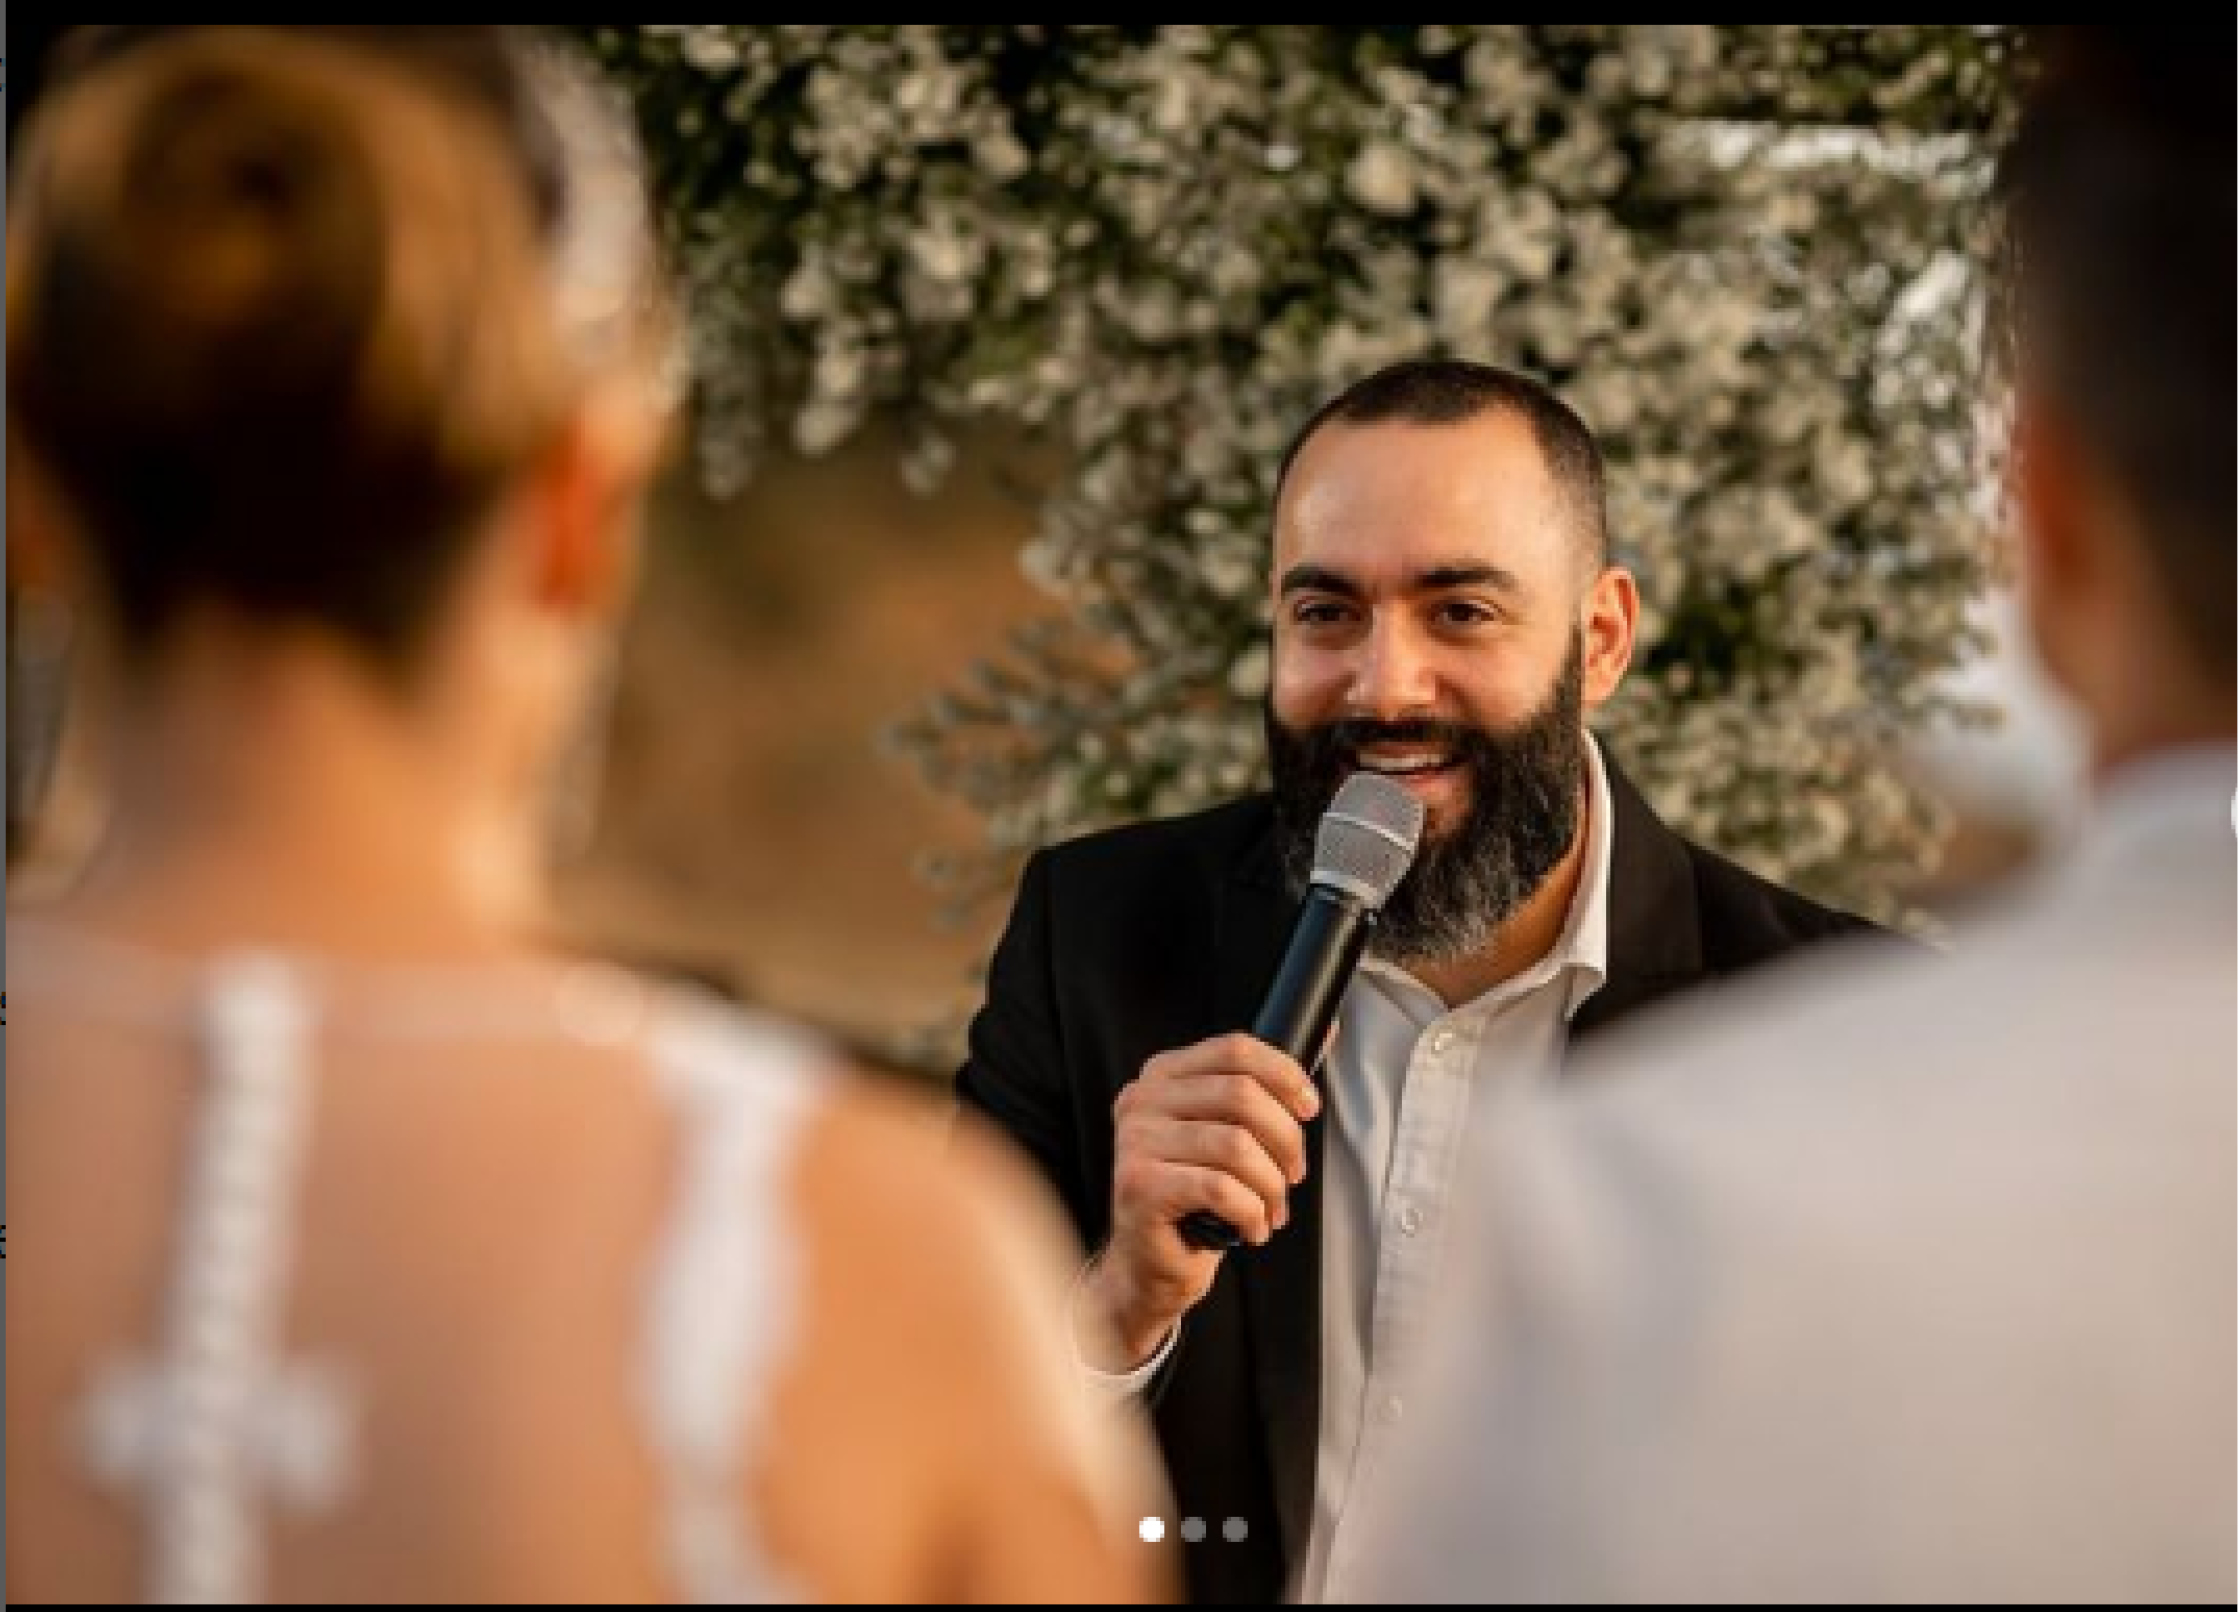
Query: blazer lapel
[1281, 1283]
[1655, 921]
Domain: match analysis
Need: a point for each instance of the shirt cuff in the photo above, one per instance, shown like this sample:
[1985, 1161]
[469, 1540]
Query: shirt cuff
[1107, 1386]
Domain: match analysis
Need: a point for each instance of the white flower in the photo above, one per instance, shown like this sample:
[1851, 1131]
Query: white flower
[1001, 156]
[1223, 230]
[1382, 179]
[823, 426]
[1464, 294]
[941, 250]
[1172, 109]
[1520, 230]
[841, 366]
[711, 50]
[1227, 574]
[1252, 673]
[809, 292]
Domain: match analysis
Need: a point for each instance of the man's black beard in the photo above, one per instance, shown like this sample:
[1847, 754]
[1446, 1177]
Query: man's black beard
[1526, 794]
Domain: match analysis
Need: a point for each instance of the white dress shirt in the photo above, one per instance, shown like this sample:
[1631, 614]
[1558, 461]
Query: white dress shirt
[1405, 1082]
[1891, 1280]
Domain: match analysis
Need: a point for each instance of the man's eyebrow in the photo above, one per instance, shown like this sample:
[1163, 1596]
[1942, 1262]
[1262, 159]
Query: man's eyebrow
[1319, 579]
[1438, 579]
[1472, 574]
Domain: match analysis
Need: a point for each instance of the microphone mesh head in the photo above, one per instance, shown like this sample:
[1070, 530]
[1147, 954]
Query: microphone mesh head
[1368, 838]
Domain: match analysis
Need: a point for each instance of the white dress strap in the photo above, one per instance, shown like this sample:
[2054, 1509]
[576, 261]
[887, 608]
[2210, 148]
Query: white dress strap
[724, 1307]
[199, 1435]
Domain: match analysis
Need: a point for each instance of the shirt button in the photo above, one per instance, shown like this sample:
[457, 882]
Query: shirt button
[1391, 1412]
[1442, 1043]
[1412, 1221]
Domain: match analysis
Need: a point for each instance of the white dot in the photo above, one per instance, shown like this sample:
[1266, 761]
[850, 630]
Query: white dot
[1153, 1530]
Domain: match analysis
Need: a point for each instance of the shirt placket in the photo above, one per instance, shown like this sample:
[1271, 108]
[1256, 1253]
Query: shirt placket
[1433, 1117]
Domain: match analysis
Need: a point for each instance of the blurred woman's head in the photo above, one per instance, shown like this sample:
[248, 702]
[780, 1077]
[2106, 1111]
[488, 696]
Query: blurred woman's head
[340, 346]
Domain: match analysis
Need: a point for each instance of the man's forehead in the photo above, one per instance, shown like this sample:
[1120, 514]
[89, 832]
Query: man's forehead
[1390, 503]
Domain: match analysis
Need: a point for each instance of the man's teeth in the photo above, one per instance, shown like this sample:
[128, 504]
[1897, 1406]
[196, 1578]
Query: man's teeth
[1404, 766]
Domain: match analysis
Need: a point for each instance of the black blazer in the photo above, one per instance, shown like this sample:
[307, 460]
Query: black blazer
[1146, 939]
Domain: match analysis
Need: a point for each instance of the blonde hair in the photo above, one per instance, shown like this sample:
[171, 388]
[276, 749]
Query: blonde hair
[288, 309]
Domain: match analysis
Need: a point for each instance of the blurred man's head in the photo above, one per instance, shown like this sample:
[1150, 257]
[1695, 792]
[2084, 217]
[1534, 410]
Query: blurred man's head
[2121, 189]
[1445, 612]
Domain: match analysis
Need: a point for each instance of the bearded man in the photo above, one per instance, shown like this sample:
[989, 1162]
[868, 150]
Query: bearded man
[1445, 613]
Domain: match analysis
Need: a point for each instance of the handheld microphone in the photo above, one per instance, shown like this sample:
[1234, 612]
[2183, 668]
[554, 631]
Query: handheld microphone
[1367, 843]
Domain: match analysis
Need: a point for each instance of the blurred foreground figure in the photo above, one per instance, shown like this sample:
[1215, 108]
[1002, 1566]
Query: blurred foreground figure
[363, 1252]
[1917, 1281]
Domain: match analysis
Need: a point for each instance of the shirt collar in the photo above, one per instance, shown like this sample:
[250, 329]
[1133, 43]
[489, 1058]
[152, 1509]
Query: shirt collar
[2160, 811]
[1579, 959]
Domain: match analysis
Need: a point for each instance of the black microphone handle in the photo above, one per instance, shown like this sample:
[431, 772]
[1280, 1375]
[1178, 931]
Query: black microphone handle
[1325, 950]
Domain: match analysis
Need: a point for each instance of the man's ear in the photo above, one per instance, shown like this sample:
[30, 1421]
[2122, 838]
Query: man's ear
[2053, 491]
[1611, 626]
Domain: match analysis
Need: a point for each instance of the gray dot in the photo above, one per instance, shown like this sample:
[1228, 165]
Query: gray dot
[1236, 1530]
[1193, 1531]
